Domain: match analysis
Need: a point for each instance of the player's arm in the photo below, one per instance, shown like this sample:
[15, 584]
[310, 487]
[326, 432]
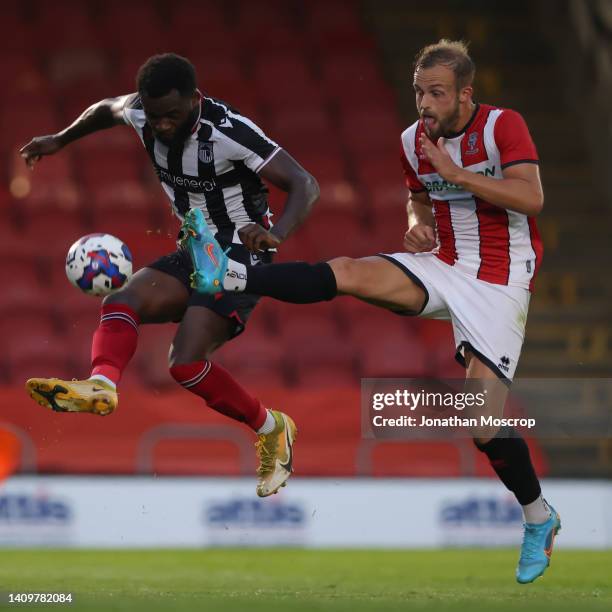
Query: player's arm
[520, 189]
[301, 187]
[302, 191]
[421, 234]
[100, 116]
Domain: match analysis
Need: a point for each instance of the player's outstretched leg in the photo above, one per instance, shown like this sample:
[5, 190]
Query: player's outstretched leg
[215, 272]
[114, 344]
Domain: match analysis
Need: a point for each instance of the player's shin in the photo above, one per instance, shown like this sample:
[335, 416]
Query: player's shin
[221, 391]
[509, 456]
[296, 282]
[114, 342]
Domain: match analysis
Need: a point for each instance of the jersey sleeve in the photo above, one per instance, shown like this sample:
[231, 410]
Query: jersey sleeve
[513, 140]
[132, 110]
[412, 180]
[248, 143]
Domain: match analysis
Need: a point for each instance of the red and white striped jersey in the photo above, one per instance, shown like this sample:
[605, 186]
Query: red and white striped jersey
[493, 244]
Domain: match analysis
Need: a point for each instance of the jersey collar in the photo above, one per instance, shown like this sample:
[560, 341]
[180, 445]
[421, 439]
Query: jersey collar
[466, 126]
[195, 126]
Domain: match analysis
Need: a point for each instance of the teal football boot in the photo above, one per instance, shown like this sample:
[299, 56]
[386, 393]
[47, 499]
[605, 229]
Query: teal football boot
[208, 258]
[537, 548]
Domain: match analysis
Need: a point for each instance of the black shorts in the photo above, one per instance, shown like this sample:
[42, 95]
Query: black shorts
[234, 306]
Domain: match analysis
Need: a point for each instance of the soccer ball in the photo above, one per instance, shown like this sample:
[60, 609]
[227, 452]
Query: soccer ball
[98, 264]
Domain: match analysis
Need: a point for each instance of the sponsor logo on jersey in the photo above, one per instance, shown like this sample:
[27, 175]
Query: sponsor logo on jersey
[193, 184]
[443, 185]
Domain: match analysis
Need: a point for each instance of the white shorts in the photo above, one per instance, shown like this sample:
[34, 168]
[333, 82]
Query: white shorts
[487, 319]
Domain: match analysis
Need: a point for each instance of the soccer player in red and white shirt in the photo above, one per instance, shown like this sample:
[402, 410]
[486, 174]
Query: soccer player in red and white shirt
[472, 251]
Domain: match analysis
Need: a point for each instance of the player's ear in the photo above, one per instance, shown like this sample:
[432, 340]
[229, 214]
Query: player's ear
[195, 98]
[466, 93]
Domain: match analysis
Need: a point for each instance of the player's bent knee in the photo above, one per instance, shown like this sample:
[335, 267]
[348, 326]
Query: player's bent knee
[346, 271]
[183, 356]
[125, 297]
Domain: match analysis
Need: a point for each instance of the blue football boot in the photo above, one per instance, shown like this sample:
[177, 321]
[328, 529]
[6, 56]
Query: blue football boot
[537, 548]
[208, 258]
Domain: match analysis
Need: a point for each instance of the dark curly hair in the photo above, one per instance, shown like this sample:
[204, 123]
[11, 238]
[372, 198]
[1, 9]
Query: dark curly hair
[160, 74]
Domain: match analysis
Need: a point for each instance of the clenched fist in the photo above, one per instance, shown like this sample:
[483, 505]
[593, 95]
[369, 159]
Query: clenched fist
[420, 238]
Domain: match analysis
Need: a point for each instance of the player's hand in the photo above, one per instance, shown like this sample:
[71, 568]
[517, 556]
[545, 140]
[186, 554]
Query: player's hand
[38, 147]
[257, 238]
[439, 158]
[420, 238]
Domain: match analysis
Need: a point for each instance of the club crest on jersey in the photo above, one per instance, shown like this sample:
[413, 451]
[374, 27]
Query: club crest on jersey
[472, 141]
[205, 152]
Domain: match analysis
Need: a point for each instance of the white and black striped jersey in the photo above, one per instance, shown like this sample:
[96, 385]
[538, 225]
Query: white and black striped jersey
[215, 168]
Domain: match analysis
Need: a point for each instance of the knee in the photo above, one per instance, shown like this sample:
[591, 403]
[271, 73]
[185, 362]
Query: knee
[126, 298]
[180, 356]
[345, 271]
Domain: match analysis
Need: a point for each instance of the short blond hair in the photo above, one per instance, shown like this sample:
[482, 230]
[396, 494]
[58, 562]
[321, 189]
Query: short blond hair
[450, 53]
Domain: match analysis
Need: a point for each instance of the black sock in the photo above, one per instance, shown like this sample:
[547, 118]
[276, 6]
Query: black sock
[297, 282]
[509, 457]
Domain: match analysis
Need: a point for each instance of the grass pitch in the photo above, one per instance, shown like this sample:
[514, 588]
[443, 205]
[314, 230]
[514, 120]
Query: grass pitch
[305, 580]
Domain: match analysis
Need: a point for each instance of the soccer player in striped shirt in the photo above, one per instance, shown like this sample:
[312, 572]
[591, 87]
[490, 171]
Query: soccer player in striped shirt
[210, 157]
[472, 252]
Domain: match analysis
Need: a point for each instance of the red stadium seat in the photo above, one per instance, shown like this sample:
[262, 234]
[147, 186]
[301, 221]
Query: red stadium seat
[28, 120]
[196, 15]
[441, 349]
[255, 358]
[39, 355]
[351, 95]
[65, 25]
[151, 359]
[333, 16]
[389, 198]
[336, 232]
[104, 168]
[351, 67]
[53, 234]
[290, 124]
[271, 14]
[366, 133]
[211, 67]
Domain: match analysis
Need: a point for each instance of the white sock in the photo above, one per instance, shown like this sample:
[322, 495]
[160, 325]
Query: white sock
[269, 424]
[106, 381]
[537, 511]
[235, 276]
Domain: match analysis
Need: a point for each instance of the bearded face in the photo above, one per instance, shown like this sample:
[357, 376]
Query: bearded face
[438, 100]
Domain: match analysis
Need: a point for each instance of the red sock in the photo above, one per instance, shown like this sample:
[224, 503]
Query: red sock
[114, 342]
[221, 392]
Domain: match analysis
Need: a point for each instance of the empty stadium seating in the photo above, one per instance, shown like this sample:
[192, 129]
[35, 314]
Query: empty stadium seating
[313, 76]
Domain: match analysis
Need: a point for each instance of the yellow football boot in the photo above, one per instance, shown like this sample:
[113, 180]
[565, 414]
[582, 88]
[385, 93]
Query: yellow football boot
[275, 453]
[73, 395]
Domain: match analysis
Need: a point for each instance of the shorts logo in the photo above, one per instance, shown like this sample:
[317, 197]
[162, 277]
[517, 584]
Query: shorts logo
[504, 363]
[205, 152]
[472, 141]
